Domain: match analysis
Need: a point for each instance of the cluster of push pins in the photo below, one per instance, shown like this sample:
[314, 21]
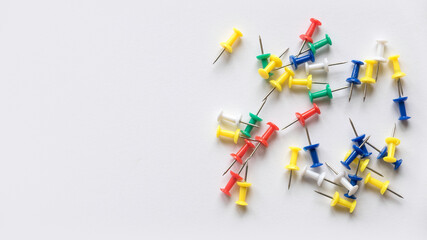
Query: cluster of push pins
[357, 158]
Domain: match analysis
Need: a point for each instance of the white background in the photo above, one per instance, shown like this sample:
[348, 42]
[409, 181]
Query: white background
[108, 119]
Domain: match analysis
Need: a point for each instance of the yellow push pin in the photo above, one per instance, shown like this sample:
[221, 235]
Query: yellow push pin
[275, 62]
[293, 163]
[392, 142]
[368, 79]
[228, 133]
[301, 81]
[243, 189]
[396, 67]
[397, 72]
[227, 45]
[363, 163]
[340, 201]
[280, 81]
[383, 186]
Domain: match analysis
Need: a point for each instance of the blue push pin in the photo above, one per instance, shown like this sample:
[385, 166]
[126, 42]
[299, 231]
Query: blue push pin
[397, 164]
[295, 61]
[359, 141]
[313, 152]
[353, 180]
[402, 109]
[381, 153]
[353, 155]
[354, 75]
[401, 101]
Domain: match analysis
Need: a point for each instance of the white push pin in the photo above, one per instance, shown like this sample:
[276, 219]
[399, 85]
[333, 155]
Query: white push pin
[232, 120]
[380, 51]
[344, 181]
[379, 55]
[320, 66]
[318, 177]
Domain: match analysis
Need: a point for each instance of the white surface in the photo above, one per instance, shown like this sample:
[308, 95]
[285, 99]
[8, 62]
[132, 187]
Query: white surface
[109, 117]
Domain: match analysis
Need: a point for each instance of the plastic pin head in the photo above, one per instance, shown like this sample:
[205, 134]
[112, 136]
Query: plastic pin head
[313, 26]
[396, 67]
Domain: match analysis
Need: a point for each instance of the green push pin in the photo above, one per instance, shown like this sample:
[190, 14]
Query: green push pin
[314, 46]
[323, 93]
[263, 57]
[248, 129]
[254, 120]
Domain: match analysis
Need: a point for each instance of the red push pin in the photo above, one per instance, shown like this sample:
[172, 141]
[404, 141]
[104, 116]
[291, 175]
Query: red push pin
[307, 36]
[234, 178]
[239, 155]
[263, 139]
[302, 117]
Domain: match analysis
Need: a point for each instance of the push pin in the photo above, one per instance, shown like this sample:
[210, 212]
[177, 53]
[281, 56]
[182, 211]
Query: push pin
[261, 140]
[313, 152]
[359, 140]
[296, 61]
[337, 200]
[254, 119]
[243, 189]
[293, 163]
[391, 142]
[396, 67]
[401, 102]
[232, 134]
[368, 79]
[356, 152]
[381, 154]
[280, 81]
[234, 178]
[307, 37]
[323, 93]
[363, 163]
[340, 177]
[379, 57]
[232, 120]
[354, 179]
[239, 155]
[318, 177]
[275, 62]
[383, 186]
[302, 117]
[320, 66]
[398, 74]
[228, 133]
[303, 81]
[314, 46]
[354, 75]
[227, 45]
[264, 57]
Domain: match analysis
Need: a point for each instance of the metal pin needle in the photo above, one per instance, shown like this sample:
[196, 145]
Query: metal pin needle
[219, 56]
[324, 194]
